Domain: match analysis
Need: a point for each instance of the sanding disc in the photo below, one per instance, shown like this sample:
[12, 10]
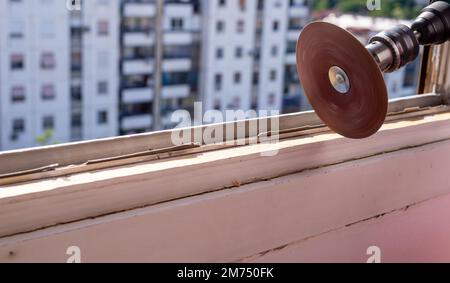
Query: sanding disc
[341, 80]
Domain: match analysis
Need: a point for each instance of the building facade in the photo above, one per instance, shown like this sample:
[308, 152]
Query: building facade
[248, 54]
[123, 67]
[159, 62]
[86, 69]
[34, 71]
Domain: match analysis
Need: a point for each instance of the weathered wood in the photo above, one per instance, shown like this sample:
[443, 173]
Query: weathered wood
[38, 204]
[230, 225]
[80, 152]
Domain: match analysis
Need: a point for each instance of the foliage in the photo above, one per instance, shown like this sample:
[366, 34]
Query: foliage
[45, 138]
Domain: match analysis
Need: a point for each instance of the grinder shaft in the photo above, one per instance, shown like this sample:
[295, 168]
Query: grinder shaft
[396, 47]
[343, 82]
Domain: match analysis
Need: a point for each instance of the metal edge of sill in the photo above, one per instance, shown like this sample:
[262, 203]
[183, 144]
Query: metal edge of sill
[60, 160]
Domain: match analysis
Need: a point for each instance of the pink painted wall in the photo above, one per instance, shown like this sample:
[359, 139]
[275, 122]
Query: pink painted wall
[420, 233]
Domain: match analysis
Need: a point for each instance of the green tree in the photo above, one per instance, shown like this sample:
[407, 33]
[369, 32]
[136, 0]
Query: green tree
[45, 138]
[353, 6]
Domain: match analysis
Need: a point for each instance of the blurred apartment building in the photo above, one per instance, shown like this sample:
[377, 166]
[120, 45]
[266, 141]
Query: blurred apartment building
[159, 62]
[123, 66]
[248, 54]
[34, 72]
[59, 71]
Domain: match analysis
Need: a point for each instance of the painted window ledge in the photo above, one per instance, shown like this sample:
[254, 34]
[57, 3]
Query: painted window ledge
[230, 204]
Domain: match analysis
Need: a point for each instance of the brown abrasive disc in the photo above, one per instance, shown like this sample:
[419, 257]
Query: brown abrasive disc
[355, 104]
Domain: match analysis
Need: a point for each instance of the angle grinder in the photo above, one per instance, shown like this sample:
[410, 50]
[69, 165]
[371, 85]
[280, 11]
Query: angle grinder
[343, 79]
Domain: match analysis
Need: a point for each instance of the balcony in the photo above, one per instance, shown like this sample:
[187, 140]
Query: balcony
[292, 35]
[178, 38]
[298, 11]
[137, 122]
[290, 59]
[177, 91]
[137, 95]
[177, 64]
[133, 39]
[144, 9]
[139, 66]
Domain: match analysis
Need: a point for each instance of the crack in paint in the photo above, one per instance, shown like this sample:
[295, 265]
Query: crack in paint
[378, 216]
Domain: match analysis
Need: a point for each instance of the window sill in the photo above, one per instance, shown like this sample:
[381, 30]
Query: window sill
[48, 202]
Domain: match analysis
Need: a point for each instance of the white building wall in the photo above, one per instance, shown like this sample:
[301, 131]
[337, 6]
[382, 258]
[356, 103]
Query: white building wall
[273, 46]
[44, 27]
[231, 95]
[269, 66]
[100, 64]
[182, 11]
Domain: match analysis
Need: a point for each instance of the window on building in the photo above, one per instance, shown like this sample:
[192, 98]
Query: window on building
[47, 61]
[48, 92]
[273, 75]
[237, 78]
[219, 53]
[102, 117]
[102, 87]
[260, 5]
[17, 62]
[274, 50]
[48, 123]
[255, 78]
[276, 26]
[76, 93]
[17, 94]
[176, 23]
[76, 120]
[240, 26]
[76, 60]
[271, 99]
[218, 82]
[18, 125]
[103, 28]
[238, 52]
[220, 26]
[217, 104]
[236, 102]
[16, 29]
